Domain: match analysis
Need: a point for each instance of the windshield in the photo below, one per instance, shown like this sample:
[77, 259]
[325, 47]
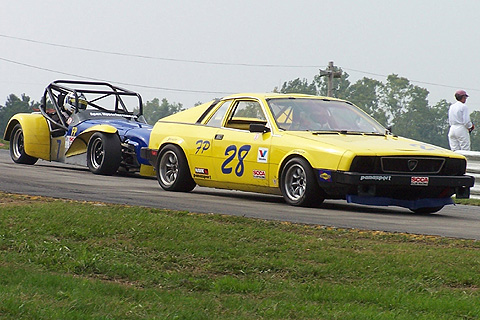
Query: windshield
[301, 114]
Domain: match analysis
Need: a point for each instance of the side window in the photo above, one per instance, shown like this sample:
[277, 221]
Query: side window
[216, 119]
[245, 113]
[248, 109]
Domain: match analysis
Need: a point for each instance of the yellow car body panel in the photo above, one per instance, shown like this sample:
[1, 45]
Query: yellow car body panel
[187, 116]
[36, 134]
[248, 149]
[80, 143]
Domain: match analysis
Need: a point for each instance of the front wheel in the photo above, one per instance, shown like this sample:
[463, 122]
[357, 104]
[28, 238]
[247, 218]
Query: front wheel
[299, 185]
[17, 147]
[173, 173]
[104, 153]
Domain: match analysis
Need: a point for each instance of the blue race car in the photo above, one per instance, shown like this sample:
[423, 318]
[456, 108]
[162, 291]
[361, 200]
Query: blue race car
[94, 124]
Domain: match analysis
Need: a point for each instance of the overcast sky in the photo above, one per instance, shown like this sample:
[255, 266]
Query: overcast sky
[189, 51]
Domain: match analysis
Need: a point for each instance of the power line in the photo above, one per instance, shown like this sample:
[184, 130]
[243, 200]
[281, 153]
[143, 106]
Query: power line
[414, 81]
[158, 58]
[211, 62]
[122, 83]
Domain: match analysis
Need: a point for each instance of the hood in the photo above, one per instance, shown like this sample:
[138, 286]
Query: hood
[364, 144]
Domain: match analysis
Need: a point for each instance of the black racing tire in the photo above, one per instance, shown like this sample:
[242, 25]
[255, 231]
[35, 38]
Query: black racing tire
[104, 153]
[173, 172]
[427, 210]
[17, 147]
[299, 184]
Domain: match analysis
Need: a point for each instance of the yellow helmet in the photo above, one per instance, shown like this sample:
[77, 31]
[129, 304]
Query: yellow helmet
[69, 103]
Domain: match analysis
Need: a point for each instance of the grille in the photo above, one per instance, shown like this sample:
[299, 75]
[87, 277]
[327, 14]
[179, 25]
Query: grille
[417, 165]
[413, 165]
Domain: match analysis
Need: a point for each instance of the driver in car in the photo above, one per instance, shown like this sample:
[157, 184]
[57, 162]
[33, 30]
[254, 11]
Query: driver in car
[69, 106]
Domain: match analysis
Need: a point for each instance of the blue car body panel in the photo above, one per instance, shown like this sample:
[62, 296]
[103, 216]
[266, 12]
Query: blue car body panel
[134, 133]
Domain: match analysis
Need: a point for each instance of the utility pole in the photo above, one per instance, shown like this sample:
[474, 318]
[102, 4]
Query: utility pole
[330, 73]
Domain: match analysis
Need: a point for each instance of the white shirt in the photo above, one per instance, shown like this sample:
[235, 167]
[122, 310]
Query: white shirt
[458, 115]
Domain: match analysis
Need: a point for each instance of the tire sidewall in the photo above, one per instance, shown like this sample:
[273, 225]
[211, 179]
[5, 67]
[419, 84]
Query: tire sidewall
[15, 147]
[312, 195]
[184, 181]
[112, 153]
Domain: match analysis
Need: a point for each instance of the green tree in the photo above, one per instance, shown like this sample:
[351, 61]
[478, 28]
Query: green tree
[396, 103]
[475, 135]
[436, 124]
[298, 86]
[153, 110]
[340, 86]
[15, 105]
[395, 97]
[365, 94]
[412, 114]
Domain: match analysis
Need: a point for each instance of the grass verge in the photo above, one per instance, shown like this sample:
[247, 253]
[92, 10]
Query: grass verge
[470, 202]
[70, 260]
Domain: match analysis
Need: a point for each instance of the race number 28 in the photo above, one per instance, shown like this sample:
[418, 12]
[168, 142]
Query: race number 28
[231, 152]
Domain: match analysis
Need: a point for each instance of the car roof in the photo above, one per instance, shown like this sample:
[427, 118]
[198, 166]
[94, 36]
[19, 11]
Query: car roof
[274, 95]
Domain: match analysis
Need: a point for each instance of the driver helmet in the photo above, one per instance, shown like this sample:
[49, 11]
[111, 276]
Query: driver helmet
[320, 116]
[69, 103]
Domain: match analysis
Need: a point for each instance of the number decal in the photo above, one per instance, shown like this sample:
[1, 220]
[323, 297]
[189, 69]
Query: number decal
[423, 146]
[233, 148]
[203, 145]
[242, 153]
[231, 152]
[58, 150]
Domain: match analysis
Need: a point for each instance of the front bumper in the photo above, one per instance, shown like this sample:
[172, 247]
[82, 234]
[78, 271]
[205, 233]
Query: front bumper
[395, 186]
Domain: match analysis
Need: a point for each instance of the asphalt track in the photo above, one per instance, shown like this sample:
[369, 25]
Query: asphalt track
[73, 182]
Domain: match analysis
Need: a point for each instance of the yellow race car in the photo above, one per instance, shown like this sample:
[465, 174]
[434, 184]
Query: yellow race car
[306, 148]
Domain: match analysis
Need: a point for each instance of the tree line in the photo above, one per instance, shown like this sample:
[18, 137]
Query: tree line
[395, 103]
[152, 110]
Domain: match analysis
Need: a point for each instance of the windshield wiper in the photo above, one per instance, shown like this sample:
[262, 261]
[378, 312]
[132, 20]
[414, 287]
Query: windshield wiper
[346, 132]
[324, 131]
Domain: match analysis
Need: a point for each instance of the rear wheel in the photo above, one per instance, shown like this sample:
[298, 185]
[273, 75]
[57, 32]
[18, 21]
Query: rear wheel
[299, 185]
[104, 153]
[173, 173]
[17, 147]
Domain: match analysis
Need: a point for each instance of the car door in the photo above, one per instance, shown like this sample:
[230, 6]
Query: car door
[241, 156]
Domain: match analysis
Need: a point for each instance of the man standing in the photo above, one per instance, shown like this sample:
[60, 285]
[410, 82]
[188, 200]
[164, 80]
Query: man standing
[460, 123]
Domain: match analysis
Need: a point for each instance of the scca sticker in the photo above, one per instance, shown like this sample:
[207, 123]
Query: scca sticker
[259, 174]
[419, 181]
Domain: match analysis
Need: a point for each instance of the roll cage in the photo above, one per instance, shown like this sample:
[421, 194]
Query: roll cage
[96, 93]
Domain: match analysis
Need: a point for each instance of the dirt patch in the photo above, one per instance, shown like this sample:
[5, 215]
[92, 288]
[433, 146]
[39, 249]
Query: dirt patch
[19, 199]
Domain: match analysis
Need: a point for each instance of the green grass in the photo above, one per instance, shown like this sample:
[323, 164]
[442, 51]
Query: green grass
[70, 260]
[470, 202]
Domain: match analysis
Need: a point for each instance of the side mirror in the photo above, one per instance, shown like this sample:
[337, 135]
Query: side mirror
[258, 127]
